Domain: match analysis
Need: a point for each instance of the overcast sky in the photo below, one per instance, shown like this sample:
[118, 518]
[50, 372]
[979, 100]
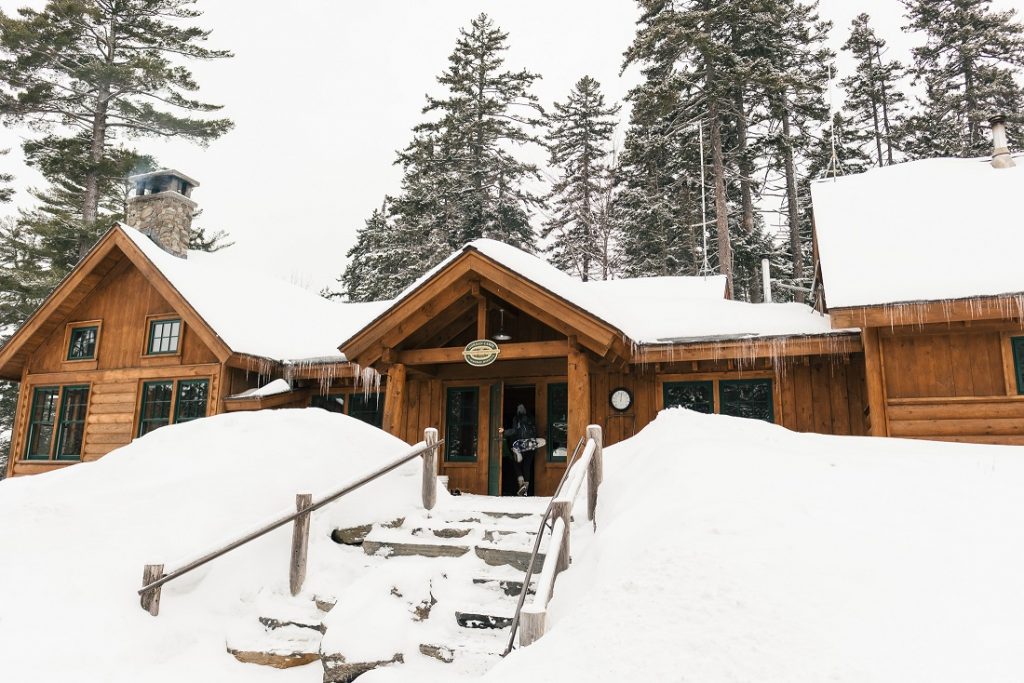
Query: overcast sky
[323, 92]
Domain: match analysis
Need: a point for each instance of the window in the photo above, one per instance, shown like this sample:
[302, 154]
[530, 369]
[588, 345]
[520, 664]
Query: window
[1018, 362]
[698, 396]
[462, 419]
[750, 398]
[71, 429]
[57, 423]
[82, 344]
[191, 402]
[41, 425]
[335, 403]
[156, 406]
[366, 407]
[184, 399]
[558, 421]
[164, 336]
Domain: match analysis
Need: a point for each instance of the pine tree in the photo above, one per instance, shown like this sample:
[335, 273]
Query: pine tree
[105, 69]
[873, 94]
[579, 133]
[968, 70]
[375, 270]
[6, 193]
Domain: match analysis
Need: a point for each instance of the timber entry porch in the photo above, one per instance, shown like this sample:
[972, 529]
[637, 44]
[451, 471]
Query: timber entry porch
[547, 353]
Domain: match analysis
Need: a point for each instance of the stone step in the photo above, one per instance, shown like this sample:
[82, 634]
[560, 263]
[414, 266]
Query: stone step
[449, 654]
[517, 559]
[479, 620]
[509, 587]
[338, 670]
[278, 643]
[404, 549]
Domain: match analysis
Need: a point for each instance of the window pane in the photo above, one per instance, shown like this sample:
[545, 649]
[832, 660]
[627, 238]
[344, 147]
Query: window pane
[747, 398]
[461, 420]
[83, 343]
[367, 407]
[41, 423]
[164, 336]
[1018, 362]
[192, 396]
[156, 406]
[72, 423]
[558, 421]
[698, 396]
[334, 403]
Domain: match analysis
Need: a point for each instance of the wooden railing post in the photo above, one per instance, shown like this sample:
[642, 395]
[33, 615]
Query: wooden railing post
[150, 600]
[430, 469]
[595, 472]
[532, 625]
[562, 509]
[300, 543]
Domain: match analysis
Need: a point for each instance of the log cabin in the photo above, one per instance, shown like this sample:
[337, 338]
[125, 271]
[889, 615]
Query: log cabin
[924, 258]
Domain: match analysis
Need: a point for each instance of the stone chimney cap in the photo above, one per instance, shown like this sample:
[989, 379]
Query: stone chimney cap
[996, 119]
[164, 172]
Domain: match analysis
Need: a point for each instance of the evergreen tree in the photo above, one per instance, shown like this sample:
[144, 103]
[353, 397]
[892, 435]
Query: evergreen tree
[105, 69]
[873, 95]
[579, 132]
[967, 69]
[6, 193]
[373, 273]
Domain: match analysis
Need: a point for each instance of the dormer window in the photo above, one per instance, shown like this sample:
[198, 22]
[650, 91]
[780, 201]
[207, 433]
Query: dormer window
[164, 337]
[82, 341]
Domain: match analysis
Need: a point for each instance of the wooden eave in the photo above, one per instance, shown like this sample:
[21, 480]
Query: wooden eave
[114, 246]
[998, 307]
[452, 282]
[838, 343]
[242, 403]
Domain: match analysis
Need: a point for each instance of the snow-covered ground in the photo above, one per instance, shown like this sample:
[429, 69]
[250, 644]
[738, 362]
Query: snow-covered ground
[726, 550]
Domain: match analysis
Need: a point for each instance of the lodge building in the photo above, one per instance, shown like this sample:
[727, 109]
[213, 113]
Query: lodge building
[143, 334]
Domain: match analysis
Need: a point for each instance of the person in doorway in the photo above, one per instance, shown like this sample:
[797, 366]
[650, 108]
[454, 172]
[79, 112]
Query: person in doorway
[524, 443]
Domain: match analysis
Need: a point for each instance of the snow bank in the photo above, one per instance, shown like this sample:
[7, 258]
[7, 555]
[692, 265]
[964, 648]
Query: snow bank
[921, 231]
[73, 544]
[255, 313]
[733, 550]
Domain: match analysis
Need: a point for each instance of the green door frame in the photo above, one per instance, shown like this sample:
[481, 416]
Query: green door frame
[494, 452]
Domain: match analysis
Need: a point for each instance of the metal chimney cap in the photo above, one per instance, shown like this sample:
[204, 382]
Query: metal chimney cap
[996, 119]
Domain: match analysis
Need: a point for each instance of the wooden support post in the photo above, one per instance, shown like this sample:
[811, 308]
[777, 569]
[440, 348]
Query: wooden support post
[595, 472]
[481, 318]
[563, 509]
[430, 469]
[579, 392]
[300, 543]
[394, 400]
[875, 382]
[531, 626]
[151, 601]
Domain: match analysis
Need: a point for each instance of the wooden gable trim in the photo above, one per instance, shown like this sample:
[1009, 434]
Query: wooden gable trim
[101, 260]
[456, 281]
[1002, 307]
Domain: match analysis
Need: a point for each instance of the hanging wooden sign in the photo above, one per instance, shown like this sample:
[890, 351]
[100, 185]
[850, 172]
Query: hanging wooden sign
[481, 352]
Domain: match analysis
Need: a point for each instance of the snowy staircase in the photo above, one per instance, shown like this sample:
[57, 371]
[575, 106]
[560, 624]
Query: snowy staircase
[441, 586]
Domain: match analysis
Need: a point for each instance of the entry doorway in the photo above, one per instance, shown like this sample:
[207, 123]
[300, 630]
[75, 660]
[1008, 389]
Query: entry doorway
[517, 395]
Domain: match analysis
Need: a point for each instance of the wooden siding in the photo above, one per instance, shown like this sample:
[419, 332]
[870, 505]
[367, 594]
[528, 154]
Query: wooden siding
[952, 383]
[122, 301]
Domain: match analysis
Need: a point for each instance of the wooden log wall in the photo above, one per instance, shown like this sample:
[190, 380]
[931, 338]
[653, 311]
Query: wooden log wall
[952, 383]
[121, 303]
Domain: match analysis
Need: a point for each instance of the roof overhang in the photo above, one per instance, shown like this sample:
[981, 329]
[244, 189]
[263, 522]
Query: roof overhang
[995, 307]
[841, 342]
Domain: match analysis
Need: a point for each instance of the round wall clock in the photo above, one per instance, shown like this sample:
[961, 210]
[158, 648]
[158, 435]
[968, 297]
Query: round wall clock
[621, 399]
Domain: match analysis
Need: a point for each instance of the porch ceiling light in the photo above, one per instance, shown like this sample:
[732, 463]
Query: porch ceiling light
[501, 335]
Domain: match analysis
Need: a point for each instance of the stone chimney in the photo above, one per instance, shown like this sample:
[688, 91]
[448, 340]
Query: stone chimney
[160, 207]
[1000, 147]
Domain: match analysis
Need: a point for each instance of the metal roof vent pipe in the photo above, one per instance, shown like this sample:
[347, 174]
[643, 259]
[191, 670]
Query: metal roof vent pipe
[1000, 147]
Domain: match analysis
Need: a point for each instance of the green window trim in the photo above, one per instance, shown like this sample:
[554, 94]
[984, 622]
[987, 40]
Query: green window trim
[1017, 343]
[164, 337]
[462, 424]
[82, 342]
[42, 423]
[155, 405]
[74, 403]
[558, 421]
[191, 400]
[695, 395]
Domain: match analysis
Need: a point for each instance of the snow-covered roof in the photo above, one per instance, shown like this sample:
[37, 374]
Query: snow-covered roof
[278, 386]
[256, 314]
[653, 310]
[921, 231]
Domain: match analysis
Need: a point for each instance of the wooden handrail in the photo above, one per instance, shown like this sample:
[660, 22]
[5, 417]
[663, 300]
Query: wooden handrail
[589, 467]
[153, 583]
